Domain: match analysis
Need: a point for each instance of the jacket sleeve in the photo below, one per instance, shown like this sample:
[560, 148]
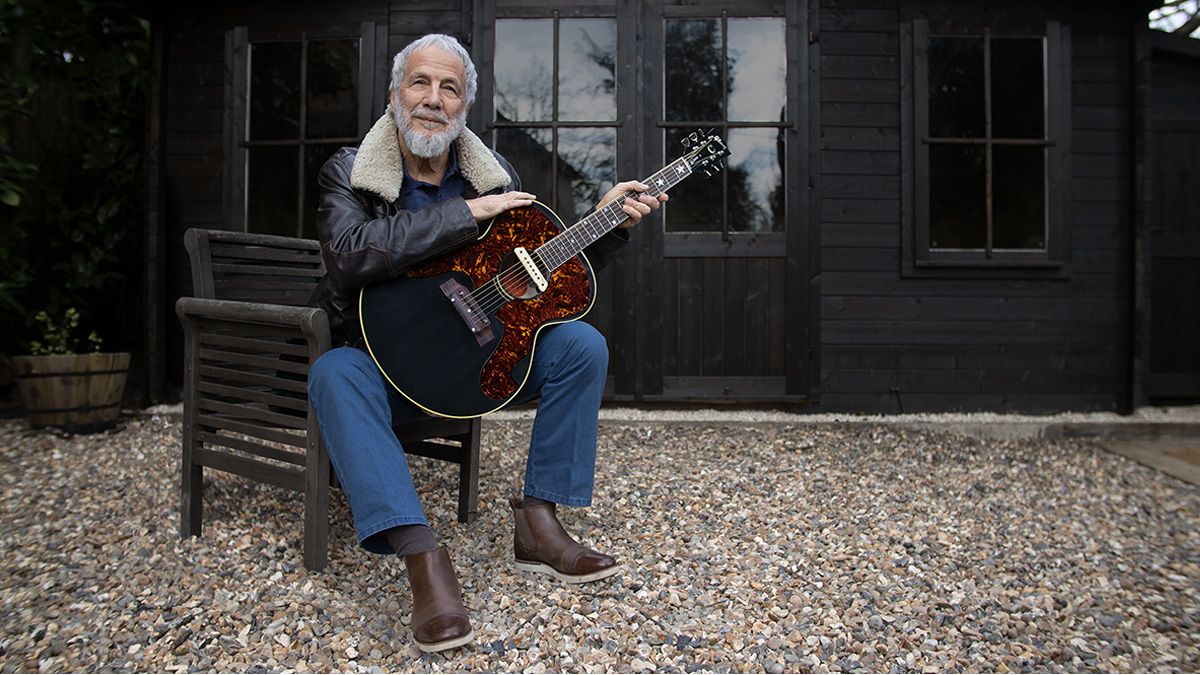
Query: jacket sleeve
[362, 244]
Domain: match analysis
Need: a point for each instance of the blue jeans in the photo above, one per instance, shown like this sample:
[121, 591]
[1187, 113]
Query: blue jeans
[356, 409]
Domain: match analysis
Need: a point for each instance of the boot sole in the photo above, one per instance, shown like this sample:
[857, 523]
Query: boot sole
[430, 647]
[543, 568]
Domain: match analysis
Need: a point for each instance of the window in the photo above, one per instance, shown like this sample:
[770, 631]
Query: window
[302, 101]
[988, 150]
[730, 74]
[556, 108]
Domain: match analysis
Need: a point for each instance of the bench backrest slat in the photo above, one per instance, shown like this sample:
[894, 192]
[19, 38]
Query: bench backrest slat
[253, 267]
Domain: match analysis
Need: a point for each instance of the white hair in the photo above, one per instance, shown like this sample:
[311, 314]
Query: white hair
[447, 44]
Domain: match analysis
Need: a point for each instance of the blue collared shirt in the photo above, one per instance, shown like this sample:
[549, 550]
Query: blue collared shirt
[417, 194]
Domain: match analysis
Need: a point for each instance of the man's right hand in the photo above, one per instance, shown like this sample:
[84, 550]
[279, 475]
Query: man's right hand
[490, 206]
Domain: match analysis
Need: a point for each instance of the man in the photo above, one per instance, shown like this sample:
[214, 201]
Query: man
[421, 184]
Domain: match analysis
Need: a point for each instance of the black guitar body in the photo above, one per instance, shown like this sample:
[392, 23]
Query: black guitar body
[425, 346]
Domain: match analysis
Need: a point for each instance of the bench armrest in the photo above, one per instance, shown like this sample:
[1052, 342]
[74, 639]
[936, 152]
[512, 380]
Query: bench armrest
[311, 322]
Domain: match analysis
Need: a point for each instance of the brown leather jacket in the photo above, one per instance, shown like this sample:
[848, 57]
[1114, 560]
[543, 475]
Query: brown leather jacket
[366, 236]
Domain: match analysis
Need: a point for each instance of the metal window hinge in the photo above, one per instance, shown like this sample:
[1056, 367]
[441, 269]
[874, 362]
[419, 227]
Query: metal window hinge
[812, 37]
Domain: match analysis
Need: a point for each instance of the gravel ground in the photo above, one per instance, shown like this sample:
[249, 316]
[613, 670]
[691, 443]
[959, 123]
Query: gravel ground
[775, 547]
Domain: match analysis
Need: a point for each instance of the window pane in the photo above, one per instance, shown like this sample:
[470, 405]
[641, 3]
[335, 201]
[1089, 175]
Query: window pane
[274, 90]
[332, 89]
[696, 203]
[587, 61]
[956, 87]
[271, 190]
[529, 151]
[757, 69]
[754, 180]
[957, 216]
[314, 159]
[1019, 197]
[1018, 88]
[586, 170]
[692, 83]
[524, 70]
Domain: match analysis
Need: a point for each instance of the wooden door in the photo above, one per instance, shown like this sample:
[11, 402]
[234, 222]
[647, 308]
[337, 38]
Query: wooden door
[723, 273]
[1173, 218]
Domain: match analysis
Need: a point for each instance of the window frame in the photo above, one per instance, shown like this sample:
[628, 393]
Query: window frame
[493, 126]
[372, 75]
[725, 243]
[918, 259]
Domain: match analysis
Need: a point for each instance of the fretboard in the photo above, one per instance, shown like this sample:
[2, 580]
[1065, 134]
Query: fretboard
[571, 241]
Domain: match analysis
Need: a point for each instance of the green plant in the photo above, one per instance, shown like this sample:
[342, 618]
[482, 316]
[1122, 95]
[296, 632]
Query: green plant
[60, 337]
[74, 76]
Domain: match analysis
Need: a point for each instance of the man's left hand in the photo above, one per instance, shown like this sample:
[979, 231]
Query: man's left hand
[634, 208]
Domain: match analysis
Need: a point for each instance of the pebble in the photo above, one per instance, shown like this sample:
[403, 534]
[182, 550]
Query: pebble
[767, 548]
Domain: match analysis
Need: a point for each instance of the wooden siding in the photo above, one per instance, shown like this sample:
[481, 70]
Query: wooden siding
[886, 342]
[890, 343]
[723, 317]
[192, 154]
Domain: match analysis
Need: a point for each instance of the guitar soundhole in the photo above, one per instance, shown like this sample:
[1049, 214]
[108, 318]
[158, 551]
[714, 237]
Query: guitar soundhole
[514, 280]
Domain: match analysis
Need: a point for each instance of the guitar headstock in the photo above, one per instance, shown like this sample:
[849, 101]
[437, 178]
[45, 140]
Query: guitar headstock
[705, 150]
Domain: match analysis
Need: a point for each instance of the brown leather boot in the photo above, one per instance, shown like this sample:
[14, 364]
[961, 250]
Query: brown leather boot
[540, 544]
[439, 620]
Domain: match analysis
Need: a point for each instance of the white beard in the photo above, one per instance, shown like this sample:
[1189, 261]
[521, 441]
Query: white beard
[423, 143]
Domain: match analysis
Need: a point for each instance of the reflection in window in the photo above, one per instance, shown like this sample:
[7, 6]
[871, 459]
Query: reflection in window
[757, 70]
[756, 178]
[556, 108]
[729, 74]
[332, 89]
[525, 70]
[976, 150]
[303, 106]
[274, 81]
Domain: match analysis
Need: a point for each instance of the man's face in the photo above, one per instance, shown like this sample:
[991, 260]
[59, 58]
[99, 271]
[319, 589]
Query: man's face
[429, 107]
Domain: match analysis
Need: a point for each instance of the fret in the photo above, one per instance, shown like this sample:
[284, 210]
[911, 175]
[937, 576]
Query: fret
[573, 240]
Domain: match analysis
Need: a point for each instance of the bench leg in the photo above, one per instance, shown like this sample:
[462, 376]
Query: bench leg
[191, 500]
[316, 507]
[468, 476]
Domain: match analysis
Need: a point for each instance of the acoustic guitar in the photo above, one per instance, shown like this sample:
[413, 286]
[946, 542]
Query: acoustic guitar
[456, 335]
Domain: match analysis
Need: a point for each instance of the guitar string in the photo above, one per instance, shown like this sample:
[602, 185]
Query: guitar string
[493, 297]
[488, 293]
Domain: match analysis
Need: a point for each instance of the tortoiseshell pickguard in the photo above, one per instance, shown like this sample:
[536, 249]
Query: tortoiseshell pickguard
[569, 294]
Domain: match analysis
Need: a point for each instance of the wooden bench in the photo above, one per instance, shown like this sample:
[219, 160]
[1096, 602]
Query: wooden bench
[249, 339]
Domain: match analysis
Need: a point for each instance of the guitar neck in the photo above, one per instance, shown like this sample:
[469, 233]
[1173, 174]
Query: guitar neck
[571, 241]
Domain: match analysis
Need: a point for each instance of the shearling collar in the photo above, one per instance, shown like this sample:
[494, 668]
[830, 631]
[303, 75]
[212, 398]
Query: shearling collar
[379, 165]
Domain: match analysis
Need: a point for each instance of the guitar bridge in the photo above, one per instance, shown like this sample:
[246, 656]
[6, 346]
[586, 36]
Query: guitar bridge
[468, 310]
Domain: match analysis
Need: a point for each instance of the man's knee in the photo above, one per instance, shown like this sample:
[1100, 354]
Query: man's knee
[585, 345]
[334, 369]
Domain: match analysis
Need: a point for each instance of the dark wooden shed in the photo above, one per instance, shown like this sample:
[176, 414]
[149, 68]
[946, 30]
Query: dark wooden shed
[929, 205]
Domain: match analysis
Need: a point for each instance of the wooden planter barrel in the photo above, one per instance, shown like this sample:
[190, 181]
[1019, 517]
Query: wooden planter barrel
[74, 392]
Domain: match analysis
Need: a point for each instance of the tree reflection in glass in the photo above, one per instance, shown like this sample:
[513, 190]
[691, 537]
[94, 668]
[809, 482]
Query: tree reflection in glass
[692, 70]
[587, 61]
[525, 70]
[586, 169]
[274, 85]
[530, 152]
[753, 77]
[756, 180]
[575, 142]
[757, 69]
[332, 89]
